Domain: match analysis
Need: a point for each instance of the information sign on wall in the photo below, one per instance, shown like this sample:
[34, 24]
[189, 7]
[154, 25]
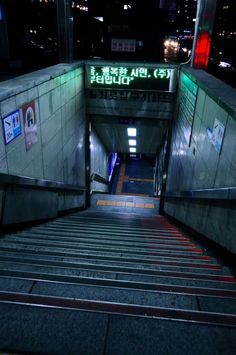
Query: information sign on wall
[217, 135]
[30, 125]
[11, 126]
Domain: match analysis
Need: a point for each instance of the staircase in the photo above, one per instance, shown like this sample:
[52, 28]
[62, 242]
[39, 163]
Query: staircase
[114, 279]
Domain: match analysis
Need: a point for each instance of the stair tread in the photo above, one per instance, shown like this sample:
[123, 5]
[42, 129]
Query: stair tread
[120, 308]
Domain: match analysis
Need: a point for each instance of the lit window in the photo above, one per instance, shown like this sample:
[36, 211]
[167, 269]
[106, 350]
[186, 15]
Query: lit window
[99, 18]
[127, 7]
[132, 132]
[132, 141]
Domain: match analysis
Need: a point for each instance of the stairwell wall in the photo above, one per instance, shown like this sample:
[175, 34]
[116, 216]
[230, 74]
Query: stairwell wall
[59, 154]
[198, 161]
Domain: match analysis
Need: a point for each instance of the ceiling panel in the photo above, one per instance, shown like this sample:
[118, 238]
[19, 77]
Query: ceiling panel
[113, 133]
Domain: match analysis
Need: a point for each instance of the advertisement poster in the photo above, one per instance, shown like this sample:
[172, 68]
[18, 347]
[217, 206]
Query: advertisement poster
[11, 126]
[30, 125]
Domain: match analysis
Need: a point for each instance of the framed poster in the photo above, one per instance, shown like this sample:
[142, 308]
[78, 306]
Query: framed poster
[30, 124]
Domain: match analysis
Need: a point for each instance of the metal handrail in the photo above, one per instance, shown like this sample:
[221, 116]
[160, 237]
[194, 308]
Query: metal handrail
[25, 181]
[99, 178]
[223, 193]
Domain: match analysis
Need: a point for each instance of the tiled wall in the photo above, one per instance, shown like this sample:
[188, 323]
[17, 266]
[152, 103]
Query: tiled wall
[196, 164]
[60, 116]
[59, 154]
[99, 162]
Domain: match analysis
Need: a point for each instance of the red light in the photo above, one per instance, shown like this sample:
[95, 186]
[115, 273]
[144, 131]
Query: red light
[202, 51]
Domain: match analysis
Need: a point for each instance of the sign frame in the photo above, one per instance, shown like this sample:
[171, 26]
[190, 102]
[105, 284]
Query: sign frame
[30, 124]
[146, 73]
[217, 137]
[15, 131]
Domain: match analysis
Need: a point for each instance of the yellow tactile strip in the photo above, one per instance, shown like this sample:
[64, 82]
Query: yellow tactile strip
[124, 204]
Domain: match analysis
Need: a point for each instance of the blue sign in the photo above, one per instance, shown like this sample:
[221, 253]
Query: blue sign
[11, 126]
[217, 135]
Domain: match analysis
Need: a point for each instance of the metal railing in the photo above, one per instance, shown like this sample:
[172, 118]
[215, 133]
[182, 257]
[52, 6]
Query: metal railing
[99, 178]
[42, 184]
[12, 184]
[224, 193]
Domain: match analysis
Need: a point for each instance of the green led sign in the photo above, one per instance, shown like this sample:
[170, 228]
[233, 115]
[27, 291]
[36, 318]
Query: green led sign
[130, 77]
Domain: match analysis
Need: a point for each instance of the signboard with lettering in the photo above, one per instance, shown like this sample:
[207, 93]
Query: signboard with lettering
[130, 90]
[123, 45]
[30, 125]
[130, 103]
[131, 77]
[11, 126]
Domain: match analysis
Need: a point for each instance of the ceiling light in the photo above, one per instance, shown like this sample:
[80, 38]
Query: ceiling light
[132, 150]
[132, 132]
[132, 141]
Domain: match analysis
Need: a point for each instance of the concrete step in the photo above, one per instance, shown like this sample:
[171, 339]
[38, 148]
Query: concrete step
[75, 258]
[88, 272]
[111, 227]
[165, 251]
[110, 236]
[127, 241]
[140, 268]
[103, 272]
[119, 256]
[72, 287]
[118, 231]
[60, 326]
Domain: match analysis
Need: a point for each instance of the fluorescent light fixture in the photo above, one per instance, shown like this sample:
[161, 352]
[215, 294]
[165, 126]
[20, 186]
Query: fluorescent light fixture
[132, 132]
[132, 150]
[132, 141]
